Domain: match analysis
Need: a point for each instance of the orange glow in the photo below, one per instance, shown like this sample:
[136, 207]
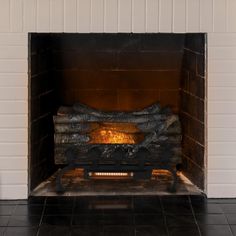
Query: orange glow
[116, 133]
[111, 175]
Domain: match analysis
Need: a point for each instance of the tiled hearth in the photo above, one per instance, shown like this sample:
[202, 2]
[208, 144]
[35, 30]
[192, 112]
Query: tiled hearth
[115, 216]
[216, 18]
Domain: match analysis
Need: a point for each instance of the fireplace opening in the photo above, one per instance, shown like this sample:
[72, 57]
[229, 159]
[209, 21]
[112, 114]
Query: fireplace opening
[116, 107]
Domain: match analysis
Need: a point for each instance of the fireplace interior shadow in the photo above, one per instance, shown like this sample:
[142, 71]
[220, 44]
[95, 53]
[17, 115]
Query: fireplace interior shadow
[116, 73]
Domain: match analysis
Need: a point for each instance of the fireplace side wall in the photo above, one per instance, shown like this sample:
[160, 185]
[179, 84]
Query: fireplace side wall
[192, 108]
[42, 106]
[216, 18]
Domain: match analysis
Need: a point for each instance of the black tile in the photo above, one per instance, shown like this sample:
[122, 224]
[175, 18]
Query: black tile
[62, 201]
[87, 231]
[180, 220]
[233, 229]
[6, 210]
[228, 208]
[177, 205]
[211, 219]
[24, 221]
[118, 231]
[57, 220]
[179, 231]
[149, 219]
[151, 230]
[118, 219]
[147, 205]
[28, 210]
[58, 210]
[4, 220]
[88, 205]
[54, 230]
[215, 230]
[2, 230]
[21, 231]
[112, 204]
[231, 219]
[222, 200]
[87, 219]
[8, 202]
[172, 199]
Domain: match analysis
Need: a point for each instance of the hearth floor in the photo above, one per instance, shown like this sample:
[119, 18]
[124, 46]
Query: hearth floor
[76, 185]
[118, 216]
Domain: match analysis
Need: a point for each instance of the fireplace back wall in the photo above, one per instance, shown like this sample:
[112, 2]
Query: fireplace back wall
[118, 71]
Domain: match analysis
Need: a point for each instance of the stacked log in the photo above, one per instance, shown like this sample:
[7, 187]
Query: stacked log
[161, 130]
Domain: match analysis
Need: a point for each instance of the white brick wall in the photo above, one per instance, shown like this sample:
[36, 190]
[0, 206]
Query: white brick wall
[216, 17]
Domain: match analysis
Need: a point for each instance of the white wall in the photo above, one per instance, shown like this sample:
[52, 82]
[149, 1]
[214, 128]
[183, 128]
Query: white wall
[217, 17]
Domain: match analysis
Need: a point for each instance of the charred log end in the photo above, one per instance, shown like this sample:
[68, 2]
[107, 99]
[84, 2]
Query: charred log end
[71, 155]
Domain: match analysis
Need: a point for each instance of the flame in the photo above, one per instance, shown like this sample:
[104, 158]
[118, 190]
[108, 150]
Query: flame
[116, 133]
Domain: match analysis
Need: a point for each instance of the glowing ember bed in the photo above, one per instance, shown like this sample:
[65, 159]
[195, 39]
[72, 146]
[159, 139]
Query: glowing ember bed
[118, 144]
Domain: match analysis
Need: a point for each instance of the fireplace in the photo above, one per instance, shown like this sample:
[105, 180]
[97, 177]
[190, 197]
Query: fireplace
[118, 74]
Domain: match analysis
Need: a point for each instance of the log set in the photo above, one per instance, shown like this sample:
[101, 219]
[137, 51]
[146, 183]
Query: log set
[135, 141]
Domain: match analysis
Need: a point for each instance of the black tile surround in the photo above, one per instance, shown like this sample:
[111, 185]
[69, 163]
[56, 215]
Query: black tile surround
[108, 216]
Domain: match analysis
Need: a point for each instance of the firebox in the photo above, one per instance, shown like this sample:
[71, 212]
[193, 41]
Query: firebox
[121, 105]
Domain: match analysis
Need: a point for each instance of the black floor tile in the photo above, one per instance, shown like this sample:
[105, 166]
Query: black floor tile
[24, 221]
[182, 231]
[119, 230]
[87, 219]
[180, 221]
[61, 201]
[87, 231]
[6, 209]
[36, 200]
[57, 220]
[175, 199]
[211, 219]
[28, 210]
[215, 230]
[147, 205]
[149, 219]
[118, 219]
[2, 230]
[108, 216]
[54, 230]
[205, 208]
[177, 205]
[4, 220]
[113, 204]
[222, 200]
[21, 231]
[231, 219]
[228, 208]
[8, 202]
[150, 230]
[198, 199]
[88, 205]
[233, 229]
[58, 210]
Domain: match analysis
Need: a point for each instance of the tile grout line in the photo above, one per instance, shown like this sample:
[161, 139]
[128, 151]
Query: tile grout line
[190, 202]
[5, 230]
[42, 215]
[164, 216]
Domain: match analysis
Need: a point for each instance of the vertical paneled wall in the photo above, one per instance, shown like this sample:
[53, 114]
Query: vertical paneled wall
[216, 17]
